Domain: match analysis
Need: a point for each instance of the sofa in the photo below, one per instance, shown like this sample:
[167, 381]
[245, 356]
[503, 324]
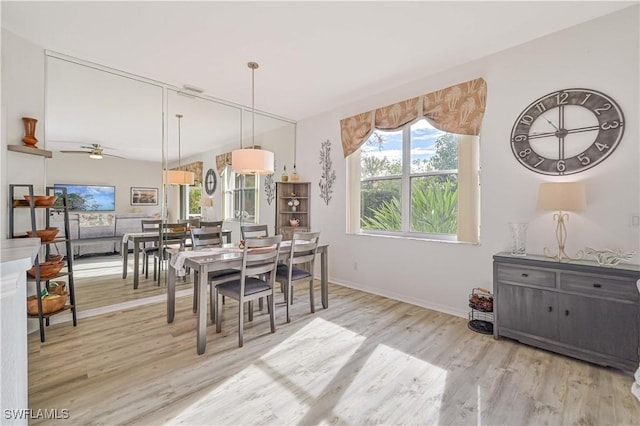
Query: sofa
[105, 230]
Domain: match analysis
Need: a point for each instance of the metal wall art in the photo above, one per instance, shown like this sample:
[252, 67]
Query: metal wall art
[270, 188]
[328, 176]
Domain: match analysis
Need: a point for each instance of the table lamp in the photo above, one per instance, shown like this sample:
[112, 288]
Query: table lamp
[205, 203]
[562, 197]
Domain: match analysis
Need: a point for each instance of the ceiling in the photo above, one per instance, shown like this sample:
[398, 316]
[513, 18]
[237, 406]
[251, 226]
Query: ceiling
[313, 56]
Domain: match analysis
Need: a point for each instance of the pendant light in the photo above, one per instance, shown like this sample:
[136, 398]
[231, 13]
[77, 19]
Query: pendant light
[179, 177]
[252, 161]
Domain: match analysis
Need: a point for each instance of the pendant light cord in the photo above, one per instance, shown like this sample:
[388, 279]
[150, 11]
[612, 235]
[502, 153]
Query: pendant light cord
[253, 66]
[179, 142]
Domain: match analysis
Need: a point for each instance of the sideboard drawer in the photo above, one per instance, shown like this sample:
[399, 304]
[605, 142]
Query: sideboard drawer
[526, 275]
[601, 285]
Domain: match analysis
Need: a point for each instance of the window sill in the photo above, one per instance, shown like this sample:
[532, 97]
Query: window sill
[413, 238]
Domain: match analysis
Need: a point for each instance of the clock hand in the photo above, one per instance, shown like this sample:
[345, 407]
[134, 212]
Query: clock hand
[549, 121]
[537, 135]
[583, 129]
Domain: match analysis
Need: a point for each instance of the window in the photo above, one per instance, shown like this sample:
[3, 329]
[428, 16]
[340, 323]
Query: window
[407, 183]
[195, 194]
[240, 200]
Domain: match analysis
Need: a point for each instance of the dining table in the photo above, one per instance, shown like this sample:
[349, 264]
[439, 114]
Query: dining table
[138, 239]
[215, 259]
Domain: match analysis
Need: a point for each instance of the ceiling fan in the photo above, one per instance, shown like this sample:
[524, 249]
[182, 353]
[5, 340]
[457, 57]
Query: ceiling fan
[95, 152]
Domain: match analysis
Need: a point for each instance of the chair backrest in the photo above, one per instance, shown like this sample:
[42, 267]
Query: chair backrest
[304, 246]
[174, 233]
[191, 222]
[208, 236]
[252, 231]
[260, 257]
[204, 224]
[149, 225]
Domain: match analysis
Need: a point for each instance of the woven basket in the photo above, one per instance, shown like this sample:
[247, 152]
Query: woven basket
[50, 304]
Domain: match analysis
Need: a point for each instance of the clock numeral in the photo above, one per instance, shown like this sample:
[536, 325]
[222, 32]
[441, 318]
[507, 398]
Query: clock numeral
[601, 146]
[606, 107]
[527, 120]
[524, 152]
[585, 99]
[561, 166]
[584, 159]
[608, 125]
[540, 107]
[520, 138]
[561, 98]
[539, 162]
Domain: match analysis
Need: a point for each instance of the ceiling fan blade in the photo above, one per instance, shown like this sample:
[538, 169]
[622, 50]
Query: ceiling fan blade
[75, 152]
[111, 155]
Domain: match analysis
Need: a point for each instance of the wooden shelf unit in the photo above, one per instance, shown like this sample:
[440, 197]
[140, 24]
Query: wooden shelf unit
[43, 318]
[286, 192]
[31, 151]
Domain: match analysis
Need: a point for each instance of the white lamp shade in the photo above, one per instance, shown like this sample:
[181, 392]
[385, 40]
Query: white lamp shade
[178, 177]
[252, 161]
[555, 196]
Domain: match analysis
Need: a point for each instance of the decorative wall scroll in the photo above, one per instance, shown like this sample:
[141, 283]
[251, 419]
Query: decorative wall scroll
[270, 188]
[328, 176]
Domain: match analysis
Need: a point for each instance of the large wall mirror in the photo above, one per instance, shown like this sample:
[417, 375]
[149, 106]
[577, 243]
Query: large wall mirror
[132, 122]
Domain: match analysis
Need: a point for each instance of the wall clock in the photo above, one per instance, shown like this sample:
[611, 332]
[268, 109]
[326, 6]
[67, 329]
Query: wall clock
[210, 182]
[567, 131]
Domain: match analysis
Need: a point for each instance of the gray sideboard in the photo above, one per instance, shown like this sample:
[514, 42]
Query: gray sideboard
[579, 309]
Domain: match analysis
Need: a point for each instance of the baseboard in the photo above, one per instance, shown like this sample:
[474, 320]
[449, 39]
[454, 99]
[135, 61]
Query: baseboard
[401, 298]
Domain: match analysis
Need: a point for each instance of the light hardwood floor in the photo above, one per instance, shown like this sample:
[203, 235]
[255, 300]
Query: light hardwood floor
[365, 360]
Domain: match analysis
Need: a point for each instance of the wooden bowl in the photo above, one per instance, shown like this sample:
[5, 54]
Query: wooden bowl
[45, 235]
[54, 258]
[42, 200]
[50, 304]
[47, 269]
[57, 287]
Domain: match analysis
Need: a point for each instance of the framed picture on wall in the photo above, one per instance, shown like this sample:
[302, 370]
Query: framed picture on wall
[144, 196]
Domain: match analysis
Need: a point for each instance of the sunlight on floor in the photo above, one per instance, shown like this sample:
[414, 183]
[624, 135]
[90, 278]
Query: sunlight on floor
[299, 384]
[413, 386]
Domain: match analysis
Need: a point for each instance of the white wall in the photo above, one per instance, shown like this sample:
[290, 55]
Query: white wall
[22, 96]
[600, 55]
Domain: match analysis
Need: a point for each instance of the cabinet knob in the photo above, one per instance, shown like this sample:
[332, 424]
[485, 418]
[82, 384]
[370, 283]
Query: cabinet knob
[550, 309]
[596, 285]
[566, 313]
[525, 275]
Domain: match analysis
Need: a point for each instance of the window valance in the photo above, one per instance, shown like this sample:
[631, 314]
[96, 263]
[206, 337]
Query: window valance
[456, 109]
[195, 168]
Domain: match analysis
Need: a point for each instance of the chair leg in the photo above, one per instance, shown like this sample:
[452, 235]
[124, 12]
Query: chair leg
[240, 322]
[260, 303]
[218, 312]
[289, 298]
[212, 303]
[313, 305]
[195, 293]
[251, 310]
[272, 314]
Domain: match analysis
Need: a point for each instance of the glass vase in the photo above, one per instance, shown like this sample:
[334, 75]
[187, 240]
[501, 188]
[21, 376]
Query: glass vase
[518, 238]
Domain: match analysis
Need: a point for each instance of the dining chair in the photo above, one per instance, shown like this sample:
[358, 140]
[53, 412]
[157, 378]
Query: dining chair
[173, 234]
[149, 225]
[260, 259]
[207, 237]
[303, 250]
[252, 231]
[204, 224]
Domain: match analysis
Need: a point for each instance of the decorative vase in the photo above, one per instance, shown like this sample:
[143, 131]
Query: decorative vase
[29, 131]
[518, 238]
[294, 208]
[294, 175]
[285, 176]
